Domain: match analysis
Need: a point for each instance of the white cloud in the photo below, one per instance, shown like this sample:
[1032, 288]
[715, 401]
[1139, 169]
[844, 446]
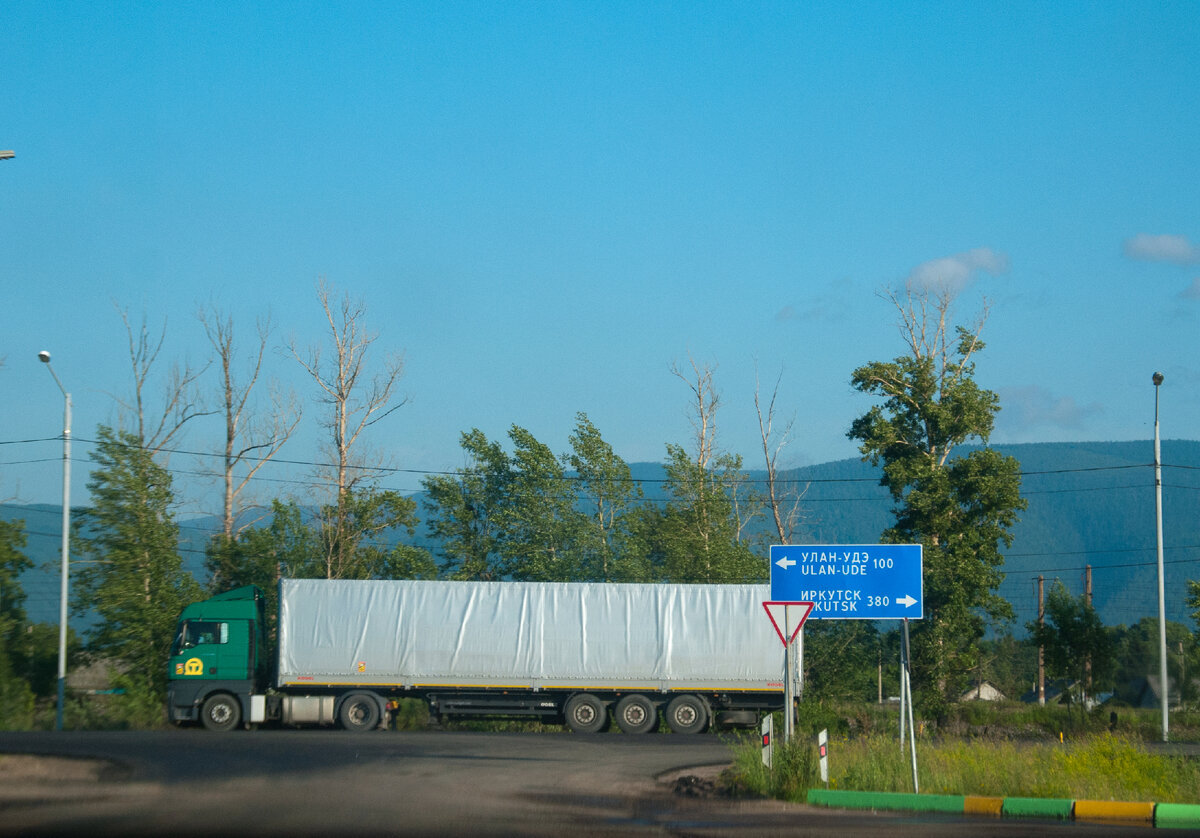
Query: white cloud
[1163, 248]
[953, 273]
[1026, 408]
[1192, 292]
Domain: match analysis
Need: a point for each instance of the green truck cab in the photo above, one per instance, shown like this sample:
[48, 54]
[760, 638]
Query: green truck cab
[218, 667]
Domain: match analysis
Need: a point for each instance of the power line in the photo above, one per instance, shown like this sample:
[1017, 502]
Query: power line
[465, 472]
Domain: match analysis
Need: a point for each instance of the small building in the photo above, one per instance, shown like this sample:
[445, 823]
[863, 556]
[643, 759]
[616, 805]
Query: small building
[983, 691]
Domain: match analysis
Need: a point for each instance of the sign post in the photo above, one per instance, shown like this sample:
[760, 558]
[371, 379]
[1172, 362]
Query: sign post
[788, 619]
[856, 582]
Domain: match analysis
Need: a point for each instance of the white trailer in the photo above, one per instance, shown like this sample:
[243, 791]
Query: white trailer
[579, 653]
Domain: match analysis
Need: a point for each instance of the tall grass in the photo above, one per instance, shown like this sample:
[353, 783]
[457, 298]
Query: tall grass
[1103, 766]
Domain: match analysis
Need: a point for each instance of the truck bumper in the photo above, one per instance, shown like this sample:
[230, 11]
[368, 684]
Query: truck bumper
[184, 698]
[183, 701]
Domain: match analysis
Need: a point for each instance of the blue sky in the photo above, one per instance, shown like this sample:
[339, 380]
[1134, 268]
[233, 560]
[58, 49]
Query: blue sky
[544, 205]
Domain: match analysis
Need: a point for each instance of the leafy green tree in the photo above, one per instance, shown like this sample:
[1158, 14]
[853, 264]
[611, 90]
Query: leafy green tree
[698, 536]
[610, 499]
[1076, 643]
[374, 519]
[286, 546]
[1009, 663]
[16, 695]
[540, 522]
[841, 660]
[1137, 654]
[35, 657]
[370, 523]
[133, 578]
[379, 520]
[960, 508]
[465, 510]
[13, 563]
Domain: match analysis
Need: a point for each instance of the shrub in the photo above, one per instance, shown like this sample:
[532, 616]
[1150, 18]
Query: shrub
[1104, 766]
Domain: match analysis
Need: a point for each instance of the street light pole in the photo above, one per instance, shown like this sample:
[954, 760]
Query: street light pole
[1164, 689]
[44, 357]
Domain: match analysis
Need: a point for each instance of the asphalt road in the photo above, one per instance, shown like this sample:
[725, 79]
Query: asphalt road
[301, 783]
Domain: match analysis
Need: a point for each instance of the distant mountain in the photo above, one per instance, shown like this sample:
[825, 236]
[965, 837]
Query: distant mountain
[1089, 504]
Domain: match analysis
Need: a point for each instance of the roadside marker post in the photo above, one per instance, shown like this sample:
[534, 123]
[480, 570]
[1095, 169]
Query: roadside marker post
[823, 750]
[768, 729]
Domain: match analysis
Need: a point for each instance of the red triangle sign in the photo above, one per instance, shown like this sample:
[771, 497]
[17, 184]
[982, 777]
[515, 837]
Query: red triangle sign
[788, 618]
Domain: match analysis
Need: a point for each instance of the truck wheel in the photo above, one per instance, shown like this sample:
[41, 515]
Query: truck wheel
[585, 713]
[359, 712]
[221, 712]
[636, 714]
[687, 714]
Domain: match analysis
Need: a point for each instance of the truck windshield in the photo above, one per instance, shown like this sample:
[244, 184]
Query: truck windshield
[199, 633]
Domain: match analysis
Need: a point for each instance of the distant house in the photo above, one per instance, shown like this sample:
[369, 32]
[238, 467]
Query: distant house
[983, 691]
[1064, 691]
[1056, 689]
[1146, 692]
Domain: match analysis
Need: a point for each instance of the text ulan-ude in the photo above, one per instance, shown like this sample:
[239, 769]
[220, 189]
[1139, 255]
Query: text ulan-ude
[857, 556]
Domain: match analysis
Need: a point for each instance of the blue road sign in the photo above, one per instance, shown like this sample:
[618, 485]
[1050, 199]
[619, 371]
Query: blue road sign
[850, 581]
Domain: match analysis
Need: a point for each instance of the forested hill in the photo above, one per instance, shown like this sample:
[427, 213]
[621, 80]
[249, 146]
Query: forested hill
[1089, 504]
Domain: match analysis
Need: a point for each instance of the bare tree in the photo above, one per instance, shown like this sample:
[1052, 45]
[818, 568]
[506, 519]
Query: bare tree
[181, 402]
[785, 511]
[706, 401]
[713, 469]
[248, 442]
[355, 403]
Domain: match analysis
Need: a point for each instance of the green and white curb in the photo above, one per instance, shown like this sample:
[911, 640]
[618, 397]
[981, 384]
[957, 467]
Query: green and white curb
[1166, 815]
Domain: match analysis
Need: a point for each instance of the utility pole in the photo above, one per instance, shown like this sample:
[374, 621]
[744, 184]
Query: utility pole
[65, 575]
[1041, 684]
[1087, 597]
[1165, 685]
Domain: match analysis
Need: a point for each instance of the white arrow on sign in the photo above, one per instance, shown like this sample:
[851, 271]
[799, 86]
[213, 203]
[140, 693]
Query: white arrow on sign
[907, 601]
[785, 562]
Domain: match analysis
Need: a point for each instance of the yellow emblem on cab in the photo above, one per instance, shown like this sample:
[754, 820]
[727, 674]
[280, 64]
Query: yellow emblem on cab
[194, 666]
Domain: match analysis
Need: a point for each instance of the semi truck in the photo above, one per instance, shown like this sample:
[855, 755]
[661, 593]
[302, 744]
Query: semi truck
[580, 654]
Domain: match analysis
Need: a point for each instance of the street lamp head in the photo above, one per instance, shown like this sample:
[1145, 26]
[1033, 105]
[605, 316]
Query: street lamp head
[1157, 378]
[44, 356]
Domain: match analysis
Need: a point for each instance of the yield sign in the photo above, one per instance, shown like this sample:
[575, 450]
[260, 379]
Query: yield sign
[788, 618]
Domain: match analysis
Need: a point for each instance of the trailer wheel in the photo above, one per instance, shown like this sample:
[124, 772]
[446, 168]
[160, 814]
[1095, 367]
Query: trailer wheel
[687, 714]
[221, 712]
[359, 712]
[585, 713]
[636, 714]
